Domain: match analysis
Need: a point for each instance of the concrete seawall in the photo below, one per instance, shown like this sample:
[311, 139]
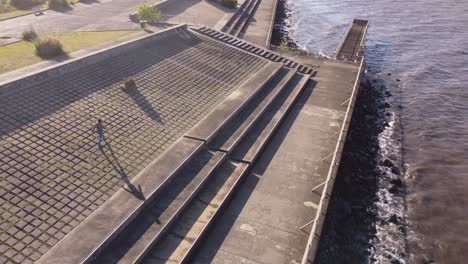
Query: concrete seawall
[318, 222]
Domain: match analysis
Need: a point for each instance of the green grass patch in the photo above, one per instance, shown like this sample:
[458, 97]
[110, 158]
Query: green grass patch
[21, 54]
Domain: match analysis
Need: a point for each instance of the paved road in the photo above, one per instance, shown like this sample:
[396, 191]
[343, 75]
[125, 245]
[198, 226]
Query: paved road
[98, 15]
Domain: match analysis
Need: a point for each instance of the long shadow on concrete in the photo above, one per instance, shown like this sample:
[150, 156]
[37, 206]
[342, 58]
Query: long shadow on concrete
[49, 96]
[145, 105]
[218, 234]
[114, 162]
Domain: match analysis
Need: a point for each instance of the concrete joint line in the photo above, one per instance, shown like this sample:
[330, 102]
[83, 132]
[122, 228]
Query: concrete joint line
[194, 138]
[307, 224]
[332, 136]
[318, 186]
[347, 100]
[322, 160]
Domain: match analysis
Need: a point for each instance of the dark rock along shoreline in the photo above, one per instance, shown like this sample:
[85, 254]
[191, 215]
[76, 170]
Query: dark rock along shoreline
[350, 231]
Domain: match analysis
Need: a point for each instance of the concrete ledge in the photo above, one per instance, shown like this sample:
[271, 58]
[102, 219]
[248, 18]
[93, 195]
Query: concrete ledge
[253, 112]
[208, 127]
[272, 24]
[30, 75]
[237, 174]
[83, 243]
[232, 18]
[315, 233]
[267, 127]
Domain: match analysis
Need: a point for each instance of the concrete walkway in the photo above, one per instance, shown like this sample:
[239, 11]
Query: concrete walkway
[259, 28]
[283, 190]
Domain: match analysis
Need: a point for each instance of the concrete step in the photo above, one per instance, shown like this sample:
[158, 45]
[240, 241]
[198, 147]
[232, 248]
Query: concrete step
[305, 70]
[204, 29]
[244, 18]
[84, 243]
[150, 225]
[224, 38]
[245, 23]
[239, 126]
[208, 127]
[254, 142]
[266, 54]
[236, 16]
[243, 45]
[191, 226]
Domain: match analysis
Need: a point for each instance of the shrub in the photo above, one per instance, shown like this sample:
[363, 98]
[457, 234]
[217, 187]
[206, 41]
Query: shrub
[26, 3]
[229, 3]
[48, 48]
[148, 13]
[128, 84]
[284, 44]
[57, 4]
[29, 34]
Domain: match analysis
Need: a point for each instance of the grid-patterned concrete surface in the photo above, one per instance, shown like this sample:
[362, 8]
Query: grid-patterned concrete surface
[53, 175]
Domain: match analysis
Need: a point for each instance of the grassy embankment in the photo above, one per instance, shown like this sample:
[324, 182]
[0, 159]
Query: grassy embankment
[21, 54]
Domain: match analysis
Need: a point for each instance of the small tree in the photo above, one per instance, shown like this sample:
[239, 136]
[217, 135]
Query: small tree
[149, 13]
[284, 44]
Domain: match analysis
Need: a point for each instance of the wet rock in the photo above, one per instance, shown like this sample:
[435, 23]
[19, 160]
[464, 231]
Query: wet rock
[396, 170]
[397, 182]
[393, 219]
[388, 163]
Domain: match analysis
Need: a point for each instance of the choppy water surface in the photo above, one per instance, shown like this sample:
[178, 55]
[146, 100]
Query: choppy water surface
[425, 45]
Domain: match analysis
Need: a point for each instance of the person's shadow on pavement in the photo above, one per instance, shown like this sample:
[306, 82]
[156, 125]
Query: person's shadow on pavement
[132, 189]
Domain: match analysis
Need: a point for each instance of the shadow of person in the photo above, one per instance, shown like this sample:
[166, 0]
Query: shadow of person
[130, 188]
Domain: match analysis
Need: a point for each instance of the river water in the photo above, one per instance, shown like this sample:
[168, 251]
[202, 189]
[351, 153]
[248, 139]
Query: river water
[423, 44]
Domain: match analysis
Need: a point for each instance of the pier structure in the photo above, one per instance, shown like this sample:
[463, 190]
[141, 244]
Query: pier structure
[225, 151]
